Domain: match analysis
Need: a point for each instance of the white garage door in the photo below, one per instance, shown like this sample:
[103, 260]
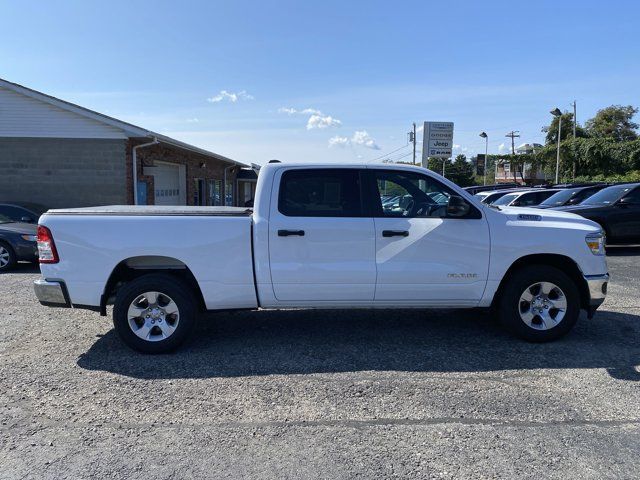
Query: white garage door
[166, 179]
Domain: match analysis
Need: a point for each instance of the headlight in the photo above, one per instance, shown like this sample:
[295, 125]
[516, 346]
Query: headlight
[30, 238]
[595, 242]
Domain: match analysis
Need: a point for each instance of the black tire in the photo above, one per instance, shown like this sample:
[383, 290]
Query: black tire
[509, 304]
[169, 286]
[12, 257]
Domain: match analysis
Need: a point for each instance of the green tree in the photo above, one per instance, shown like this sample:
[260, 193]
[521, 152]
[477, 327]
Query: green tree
[614, 122]
[461, 171]
[567, 129]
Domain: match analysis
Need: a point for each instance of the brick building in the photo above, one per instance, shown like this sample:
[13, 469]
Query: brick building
[58, 154]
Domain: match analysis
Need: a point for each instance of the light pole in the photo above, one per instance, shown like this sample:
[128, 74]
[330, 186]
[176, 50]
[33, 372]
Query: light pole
[486, 155]
[558, 113]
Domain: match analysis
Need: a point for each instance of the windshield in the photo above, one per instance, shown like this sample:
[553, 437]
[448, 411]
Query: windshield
[507, 199]
[608, 195]
[4, 219]
[559, 198]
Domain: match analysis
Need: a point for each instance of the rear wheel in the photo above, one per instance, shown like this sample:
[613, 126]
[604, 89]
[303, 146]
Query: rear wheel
[540, 303]
[7, 257]
[154, 313]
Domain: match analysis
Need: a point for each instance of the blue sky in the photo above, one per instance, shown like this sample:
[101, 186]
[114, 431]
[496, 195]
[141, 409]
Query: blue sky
[356, 73]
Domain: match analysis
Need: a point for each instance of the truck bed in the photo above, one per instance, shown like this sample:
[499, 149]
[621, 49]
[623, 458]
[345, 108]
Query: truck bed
[154, 210]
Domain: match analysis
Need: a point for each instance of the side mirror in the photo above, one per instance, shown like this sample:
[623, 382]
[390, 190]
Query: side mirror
[457, 206]
[627, 201]
[26, 219]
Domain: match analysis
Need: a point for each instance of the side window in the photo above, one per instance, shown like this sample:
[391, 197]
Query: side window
[320, 193]
[14, 213]
[528, 199]
[634, 196]
[411, 195]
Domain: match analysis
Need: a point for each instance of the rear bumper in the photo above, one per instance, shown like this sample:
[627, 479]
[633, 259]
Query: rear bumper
[27, 251]
[51, 293]
[597, 291]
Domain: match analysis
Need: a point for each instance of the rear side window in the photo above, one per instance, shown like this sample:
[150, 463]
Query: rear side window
[15, 213]
[320, 193]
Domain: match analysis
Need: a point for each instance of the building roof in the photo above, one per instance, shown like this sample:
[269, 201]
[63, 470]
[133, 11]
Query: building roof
[130, 130]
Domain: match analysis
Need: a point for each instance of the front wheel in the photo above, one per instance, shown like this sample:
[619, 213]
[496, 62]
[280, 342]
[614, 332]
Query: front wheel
[154, 313]
[540, 303]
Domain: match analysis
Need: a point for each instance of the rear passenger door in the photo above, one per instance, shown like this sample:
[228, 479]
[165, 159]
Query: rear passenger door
[321, 245]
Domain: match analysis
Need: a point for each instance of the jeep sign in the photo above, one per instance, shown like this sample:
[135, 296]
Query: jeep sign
[437, 141]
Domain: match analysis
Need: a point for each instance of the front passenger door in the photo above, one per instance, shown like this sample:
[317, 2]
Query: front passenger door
[424, 256]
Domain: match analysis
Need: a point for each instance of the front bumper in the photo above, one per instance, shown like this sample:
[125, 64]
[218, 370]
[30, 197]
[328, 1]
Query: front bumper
[597, 285]
[51, 293]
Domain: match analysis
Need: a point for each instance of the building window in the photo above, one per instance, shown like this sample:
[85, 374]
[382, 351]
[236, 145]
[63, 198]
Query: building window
[507, 167]
[228, 193]
[215, 192]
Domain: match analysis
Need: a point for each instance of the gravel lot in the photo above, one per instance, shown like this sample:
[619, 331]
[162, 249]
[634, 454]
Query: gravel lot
[321, 394]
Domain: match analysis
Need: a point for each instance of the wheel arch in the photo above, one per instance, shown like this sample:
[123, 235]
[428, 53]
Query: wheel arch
[566, 264]
[135, 267]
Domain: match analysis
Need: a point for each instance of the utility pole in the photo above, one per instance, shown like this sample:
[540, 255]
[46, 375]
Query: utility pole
[575, 123]
[513, 134]
[412, 139]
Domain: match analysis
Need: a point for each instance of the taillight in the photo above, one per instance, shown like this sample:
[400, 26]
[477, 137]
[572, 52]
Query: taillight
[47, 252]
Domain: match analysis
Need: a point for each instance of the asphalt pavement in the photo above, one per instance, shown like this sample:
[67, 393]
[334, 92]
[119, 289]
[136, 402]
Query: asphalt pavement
[321, 394]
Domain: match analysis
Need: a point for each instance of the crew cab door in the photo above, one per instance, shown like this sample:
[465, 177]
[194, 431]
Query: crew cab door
[321, 246]
[425, 255]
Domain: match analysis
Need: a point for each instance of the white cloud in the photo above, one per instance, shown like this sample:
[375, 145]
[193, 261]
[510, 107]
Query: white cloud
[230, 96]
[305, 111]
[459, 148]
[317, 119]
[322, 121]
[192, 120]
[338, 141]
[502, 147]
[361, 137]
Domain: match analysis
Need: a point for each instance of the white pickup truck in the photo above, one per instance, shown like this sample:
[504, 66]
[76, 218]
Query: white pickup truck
[323, 236]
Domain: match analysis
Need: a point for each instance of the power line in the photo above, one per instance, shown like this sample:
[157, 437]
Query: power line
[389, 153]
[395, 159]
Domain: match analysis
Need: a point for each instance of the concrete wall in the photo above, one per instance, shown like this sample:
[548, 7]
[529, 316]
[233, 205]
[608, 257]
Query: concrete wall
[62, 172]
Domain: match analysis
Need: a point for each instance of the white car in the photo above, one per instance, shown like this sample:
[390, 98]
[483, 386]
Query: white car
[525, 198]
[319, 237]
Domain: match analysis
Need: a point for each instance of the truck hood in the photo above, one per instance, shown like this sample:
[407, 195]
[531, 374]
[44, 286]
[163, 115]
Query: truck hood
[19, 227]
[549, 216]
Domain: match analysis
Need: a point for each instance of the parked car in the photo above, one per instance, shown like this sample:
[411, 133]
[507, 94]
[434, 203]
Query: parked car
[528, 198]
[491, 196]
[486, 188]
[319, 237]
[570, 196]
[17, 242]
[616, 209]
[22, 212]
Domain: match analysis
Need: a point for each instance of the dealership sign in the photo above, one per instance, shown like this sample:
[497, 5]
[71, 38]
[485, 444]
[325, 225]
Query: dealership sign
[437, 140]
